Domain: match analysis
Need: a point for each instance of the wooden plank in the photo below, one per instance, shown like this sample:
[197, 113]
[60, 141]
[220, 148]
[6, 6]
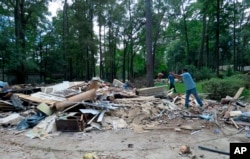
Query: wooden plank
[150, 91]
[35, 99]
[241, 123]
[237, 95]
[227, 113]
[232, 120]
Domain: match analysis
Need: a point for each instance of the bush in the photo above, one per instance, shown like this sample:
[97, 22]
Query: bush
[220, 88]
[243, 77]
[204, 74]
[229, 72]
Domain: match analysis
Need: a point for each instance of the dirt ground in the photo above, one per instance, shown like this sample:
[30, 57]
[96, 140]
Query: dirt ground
[120, 144]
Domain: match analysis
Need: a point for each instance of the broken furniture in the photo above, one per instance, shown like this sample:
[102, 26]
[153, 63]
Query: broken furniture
[71, 122]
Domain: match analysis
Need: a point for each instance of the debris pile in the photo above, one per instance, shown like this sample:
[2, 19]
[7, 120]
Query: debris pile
[98, 106]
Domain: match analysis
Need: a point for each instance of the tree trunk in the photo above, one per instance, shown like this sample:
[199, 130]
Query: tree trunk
[203, 39]
[190, 58]
[65, 39]
[234, 41]
[217, 40]
[124, 59]
[149, 58]
[100, 51]
[20, 23]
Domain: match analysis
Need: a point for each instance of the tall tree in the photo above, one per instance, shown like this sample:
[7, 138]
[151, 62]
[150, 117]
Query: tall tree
[65, 42]
[217, 37]
[27, 16]
[149, 59]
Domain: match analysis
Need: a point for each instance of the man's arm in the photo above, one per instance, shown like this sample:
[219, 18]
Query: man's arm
[177, 76]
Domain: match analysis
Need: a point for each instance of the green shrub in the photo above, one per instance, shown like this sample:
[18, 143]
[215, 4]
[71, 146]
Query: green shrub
[220, 88]
[243, 77]
[229, 72]
[204, 74]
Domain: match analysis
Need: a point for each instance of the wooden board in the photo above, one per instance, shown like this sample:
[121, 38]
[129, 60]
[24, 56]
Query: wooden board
[35, 99]
[151, 91]
[237, 95]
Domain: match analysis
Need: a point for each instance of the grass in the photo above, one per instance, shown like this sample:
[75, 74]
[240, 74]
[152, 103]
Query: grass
[180, 88]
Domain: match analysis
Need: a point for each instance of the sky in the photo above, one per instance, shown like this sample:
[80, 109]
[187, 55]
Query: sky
[58, 5]
[54, 6]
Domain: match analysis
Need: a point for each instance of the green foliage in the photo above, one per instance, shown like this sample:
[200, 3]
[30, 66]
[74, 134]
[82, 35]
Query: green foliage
[244, 78]
[229, 72]
[220, 88]
[175, 55]
[182, 33]
[200, 74]
[205, 73]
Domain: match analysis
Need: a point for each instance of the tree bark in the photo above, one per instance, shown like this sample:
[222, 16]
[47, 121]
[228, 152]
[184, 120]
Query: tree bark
[203, 39]
[217, 36]
[149, 57]
[65, 35]
[190, 58]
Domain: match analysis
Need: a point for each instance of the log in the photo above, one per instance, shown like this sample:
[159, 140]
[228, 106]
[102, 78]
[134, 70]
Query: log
[88, 95]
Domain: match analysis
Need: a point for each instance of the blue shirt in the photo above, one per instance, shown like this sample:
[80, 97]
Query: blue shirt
[171, 79]
[188, 81]
[3, 84]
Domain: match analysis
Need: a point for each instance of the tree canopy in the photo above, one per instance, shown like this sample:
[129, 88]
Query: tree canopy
[123, 39]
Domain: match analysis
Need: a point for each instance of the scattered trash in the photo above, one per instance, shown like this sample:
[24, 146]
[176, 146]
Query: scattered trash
[195, 132]
[185, 149]
[45, 109]
[130, 145]
[37, 133]
[248, 131]
[217, 131]
[202, 116]
[90, 156]
[12, 119]
[213, 150]
[4, 87]
[240, 104]
[245, 116]
[31, 121]
[70, 122]
[205, 116]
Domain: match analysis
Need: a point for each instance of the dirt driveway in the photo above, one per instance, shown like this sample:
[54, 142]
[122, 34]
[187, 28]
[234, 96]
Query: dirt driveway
[120, 144]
